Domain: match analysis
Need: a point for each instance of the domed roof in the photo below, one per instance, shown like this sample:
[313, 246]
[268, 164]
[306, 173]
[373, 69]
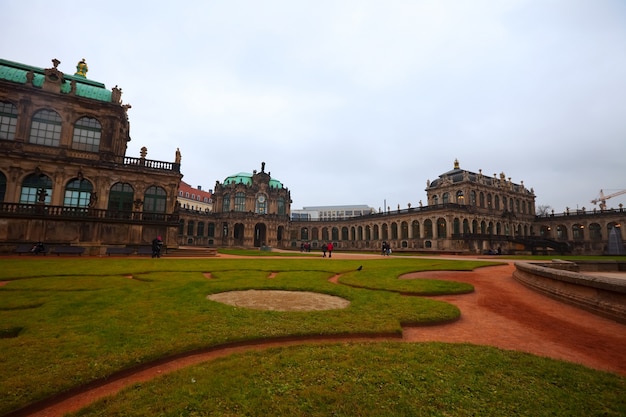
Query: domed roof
[246, 179]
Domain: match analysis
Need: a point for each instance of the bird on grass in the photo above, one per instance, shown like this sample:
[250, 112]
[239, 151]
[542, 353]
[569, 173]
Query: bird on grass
[359, 268]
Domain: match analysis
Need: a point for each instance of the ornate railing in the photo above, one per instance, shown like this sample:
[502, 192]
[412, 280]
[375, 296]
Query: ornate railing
[19, 210]
[149, 163]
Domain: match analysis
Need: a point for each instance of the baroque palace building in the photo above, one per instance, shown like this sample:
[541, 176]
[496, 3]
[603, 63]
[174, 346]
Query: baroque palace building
[65, 179]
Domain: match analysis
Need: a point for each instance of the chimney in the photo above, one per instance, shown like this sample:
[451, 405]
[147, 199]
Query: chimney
[200, 187]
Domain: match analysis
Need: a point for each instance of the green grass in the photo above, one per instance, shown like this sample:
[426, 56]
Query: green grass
[66, 322]
[374, 379]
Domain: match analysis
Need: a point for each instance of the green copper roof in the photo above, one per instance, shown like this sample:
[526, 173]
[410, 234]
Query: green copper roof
[246, 179]
[16, 72]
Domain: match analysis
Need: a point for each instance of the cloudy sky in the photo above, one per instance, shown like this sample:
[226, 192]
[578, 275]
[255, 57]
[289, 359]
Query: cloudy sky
[356, 102]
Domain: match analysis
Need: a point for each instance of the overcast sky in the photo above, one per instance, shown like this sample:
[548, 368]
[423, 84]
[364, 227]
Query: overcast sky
[356, 102]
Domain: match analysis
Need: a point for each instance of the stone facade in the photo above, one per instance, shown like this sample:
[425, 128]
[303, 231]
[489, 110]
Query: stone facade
[64, 175]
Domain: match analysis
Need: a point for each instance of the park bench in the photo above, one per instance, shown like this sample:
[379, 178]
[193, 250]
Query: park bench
[144, 250]
[120, 251]
[68, 250]
[27, 248]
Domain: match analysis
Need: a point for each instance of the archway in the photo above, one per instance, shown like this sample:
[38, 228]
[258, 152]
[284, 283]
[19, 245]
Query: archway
[260, 235]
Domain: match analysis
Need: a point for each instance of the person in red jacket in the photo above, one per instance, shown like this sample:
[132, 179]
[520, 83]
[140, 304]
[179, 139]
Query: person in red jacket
[330, 248]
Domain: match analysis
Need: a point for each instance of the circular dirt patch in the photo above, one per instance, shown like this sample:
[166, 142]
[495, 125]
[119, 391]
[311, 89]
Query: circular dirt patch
[280, 300]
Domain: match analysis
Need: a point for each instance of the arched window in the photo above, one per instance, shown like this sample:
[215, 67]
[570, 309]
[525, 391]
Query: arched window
[240, 202]
[45, 128]
[489, 202]
[460, 198]
[344, 233]
[368, 233]
[466, 226]
[497, 202]
[304, 233]
[78, 193]
[416, 229]
[87, 131]
[578, 232]
[404, 230]
[481, 199]
[335, 233]
[446, 198]
[376, 232]
[325, 234]
[190, 226]
[456, 226]
[428, 229]
[8, 120]
[595, 232]
[435, 200]
[315, 233]
[200, 229]
[36, 188]
[442, 232]
[385, 231]
[211, 230]
[281, 206]
[226, 203]
[181, 227]
[473, 198]
[121, 197]
[3, 186]
[394, 230]
[154, 200]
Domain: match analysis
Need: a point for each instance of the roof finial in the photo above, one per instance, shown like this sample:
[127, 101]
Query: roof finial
[81, 68]
[456, 163]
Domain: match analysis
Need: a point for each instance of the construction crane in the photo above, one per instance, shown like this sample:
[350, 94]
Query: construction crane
[602, 198]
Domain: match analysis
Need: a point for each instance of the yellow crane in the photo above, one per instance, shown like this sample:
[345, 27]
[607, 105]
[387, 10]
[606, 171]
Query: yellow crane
[603, 197]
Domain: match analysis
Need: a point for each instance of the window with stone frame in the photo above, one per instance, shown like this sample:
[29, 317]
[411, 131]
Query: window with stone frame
[155, 200]
[78, 193]
[87, 132]
[36, 189]
[8, 120]
[45, 128]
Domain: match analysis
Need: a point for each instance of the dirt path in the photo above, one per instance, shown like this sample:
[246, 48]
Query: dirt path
[501, 312]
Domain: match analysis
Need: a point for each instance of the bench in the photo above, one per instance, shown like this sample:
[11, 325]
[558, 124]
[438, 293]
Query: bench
[144, 250]
[27, 248]
[120, 251]
[68, 250]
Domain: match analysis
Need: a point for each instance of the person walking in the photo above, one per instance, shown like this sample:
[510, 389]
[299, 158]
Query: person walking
[157, 244]
[324, 249]
[330, 248]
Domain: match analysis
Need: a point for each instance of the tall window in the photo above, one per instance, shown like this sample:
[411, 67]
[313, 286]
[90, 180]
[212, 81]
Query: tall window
[240, 202]
[121, 197]
[77, 193]
[8, 120]
[45, 128]
[87, 133]
[200, 229]
[281, 206]
[3, 186]
[36, 188]
[154, 200]
[226, 203]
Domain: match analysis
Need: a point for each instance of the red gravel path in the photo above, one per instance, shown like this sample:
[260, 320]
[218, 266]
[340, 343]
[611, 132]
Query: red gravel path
[501, 312]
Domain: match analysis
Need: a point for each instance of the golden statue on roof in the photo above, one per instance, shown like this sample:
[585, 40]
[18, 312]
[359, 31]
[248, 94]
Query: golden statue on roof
[81, 68]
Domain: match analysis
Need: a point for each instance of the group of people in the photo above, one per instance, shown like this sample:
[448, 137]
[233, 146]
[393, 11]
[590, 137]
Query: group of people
[327, 247]
[386, 249]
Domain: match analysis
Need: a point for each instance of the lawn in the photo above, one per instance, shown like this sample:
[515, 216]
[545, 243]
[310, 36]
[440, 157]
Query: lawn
[65, 322]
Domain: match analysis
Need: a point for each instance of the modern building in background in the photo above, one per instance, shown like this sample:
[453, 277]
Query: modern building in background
[331, 212]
